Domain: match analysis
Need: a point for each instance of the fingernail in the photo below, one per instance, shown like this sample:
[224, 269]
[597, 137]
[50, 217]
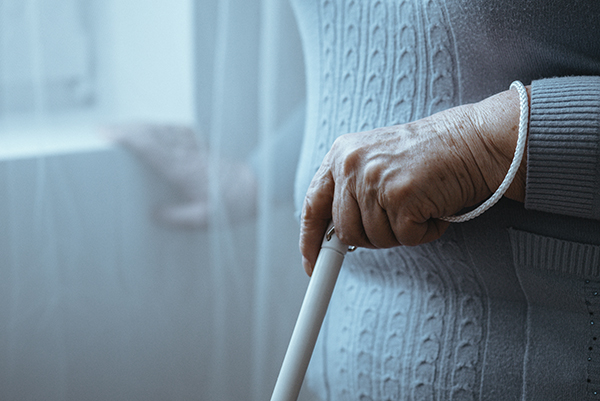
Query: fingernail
[307, 266]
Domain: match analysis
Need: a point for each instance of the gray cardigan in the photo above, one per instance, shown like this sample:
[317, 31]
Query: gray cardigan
[504, 306]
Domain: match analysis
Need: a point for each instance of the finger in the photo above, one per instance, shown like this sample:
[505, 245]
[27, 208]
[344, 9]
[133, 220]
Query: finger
[316, 214]
[377, 225]
[410, 232]
[189, 215]
[347, 218]
[434, 230]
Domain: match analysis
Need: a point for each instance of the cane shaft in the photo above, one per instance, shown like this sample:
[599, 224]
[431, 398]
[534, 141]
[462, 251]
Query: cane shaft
[310, 319]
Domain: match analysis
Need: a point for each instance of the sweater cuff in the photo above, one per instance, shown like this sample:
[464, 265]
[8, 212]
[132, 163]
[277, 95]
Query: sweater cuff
[563, 162]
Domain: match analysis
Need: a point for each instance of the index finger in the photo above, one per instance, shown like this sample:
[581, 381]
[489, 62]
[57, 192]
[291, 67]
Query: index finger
[316, 214]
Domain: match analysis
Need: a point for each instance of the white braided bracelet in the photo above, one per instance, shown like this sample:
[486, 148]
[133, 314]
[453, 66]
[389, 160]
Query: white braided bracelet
[514, 166]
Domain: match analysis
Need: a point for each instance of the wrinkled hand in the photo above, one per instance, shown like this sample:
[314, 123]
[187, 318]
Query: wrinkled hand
[174, 153]
[389, 187]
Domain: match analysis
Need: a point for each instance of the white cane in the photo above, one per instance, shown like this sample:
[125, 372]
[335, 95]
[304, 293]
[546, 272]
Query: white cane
[310, 318]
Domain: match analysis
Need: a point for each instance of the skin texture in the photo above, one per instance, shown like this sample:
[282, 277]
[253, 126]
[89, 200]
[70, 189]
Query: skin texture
[389, 186]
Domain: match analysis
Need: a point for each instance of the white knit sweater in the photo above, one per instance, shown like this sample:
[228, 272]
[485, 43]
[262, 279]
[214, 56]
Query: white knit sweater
[500, 308]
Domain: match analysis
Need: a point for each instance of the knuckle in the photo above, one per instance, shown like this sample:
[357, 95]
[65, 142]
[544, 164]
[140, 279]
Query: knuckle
[351, 161]
[347, 153]
[397, 194]
[373, 173]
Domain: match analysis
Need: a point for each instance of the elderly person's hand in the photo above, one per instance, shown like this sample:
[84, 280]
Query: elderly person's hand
[389, 187]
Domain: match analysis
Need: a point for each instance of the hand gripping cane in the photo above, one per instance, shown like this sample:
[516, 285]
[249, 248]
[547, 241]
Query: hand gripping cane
[310, 318]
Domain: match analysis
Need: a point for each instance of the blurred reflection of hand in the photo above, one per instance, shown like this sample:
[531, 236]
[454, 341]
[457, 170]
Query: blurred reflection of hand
[174, 153]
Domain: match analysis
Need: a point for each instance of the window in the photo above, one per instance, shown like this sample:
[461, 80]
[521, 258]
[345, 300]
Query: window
[95, 61]
[48, 52]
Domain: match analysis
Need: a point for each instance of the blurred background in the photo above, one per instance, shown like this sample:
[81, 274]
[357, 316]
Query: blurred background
[148, 244]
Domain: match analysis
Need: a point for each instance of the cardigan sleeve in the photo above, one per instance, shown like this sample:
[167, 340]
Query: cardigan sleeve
[563, 164]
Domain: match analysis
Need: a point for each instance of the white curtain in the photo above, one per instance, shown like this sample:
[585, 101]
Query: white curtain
[107, 290]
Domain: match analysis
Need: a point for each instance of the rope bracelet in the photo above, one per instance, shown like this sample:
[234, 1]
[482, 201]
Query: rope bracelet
[514, 166]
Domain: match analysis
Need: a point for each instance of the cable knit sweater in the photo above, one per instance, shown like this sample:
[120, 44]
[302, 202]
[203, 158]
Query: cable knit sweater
[500, 308]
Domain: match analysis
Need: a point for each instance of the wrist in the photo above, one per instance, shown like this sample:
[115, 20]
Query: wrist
[499, 119]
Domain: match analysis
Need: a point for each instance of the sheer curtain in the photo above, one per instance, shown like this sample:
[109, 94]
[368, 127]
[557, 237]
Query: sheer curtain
[101, 298]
